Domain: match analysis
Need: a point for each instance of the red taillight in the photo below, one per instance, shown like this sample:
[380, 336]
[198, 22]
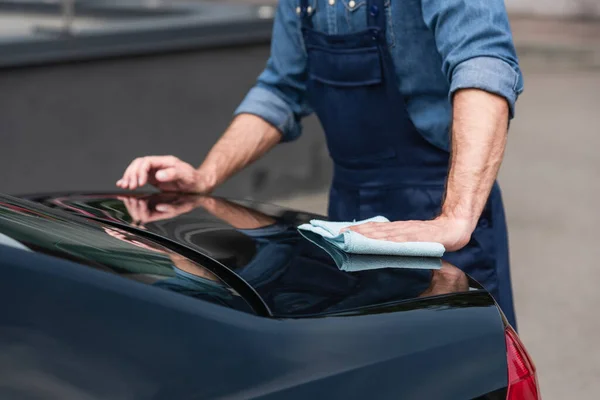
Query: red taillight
[522, 379]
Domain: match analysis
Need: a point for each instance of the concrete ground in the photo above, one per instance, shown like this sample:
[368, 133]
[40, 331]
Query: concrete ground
[551, 189]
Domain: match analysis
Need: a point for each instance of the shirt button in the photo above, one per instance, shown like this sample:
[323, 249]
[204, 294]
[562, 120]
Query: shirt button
[309, 10]
[352, 3]
[332, 2]
[298, 10]
[374, 10]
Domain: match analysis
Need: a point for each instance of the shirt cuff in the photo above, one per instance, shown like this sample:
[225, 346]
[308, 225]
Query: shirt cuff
[490, 74]
[270, 107]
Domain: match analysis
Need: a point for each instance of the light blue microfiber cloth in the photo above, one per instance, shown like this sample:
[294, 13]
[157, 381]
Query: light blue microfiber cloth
[361, 262]
[352, 251]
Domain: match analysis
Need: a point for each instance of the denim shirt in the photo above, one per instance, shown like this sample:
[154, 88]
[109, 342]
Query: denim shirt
[437, 47]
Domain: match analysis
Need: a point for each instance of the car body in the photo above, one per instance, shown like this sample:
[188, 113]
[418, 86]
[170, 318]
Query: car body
[105, 297]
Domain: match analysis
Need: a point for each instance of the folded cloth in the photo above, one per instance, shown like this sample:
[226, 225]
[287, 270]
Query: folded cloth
[361, 262]
[355, 243]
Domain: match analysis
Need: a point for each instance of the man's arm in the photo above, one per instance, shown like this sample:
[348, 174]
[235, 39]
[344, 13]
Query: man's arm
[479, 133]
[248, 138]
[478, 141]
[479, 60]
[475, 42]
[270, 113]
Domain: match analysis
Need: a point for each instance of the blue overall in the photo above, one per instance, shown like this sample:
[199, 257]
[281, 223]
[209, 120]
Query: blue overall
[382, 164]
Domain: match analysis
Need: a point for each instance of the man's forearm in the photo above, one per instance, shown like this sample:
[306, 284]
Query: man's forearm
[246, 140]
[479, 132]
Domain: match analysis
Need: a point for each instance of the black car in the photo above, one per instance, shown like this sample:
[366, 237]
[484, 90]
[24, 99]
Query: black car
[160, 296]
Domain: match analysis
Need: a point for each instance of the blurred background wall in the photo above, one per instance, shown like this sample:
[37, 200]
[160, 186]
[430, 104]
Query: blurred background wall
[159, 88]
[76, 126]
[559, 8]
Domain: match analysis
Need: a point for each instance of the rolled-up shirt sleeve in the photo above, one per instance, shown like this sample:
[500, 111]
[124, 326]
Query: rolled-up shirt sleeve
[475, 42]
[279, 95]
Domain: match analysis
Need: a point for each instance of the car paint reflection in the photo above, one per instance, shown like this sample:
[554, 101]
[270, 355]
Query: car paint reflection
[290, 274]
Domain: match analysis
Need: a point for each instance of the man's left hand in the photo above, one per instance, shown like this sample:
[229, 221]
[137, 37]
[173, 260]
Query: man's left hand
[454, 234]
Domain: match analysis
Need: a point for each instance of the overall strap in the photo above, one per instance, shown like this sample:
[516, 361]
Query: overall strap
[376, 14]
[305, 14]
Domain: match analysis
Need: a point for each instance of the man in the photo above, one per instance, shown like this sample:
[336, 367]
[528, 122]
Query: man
[414, 97]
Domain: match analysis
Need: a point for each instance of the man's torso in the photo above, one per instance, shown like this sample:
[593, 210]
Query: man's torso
[417, 62]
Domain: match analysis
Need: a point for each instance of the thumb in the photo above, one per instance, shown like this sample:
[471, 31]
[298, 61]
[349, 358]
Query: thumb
[166, 174]
[163, 208]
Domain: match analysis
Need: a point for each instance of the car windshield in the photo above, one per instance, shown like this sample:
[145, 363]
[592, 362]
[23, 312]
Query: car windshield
[113, 250]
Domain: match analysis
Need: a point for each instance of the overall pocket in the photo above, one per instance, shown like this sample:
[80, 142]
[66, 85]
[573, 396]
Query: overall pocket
[347, 91]
[345, 67]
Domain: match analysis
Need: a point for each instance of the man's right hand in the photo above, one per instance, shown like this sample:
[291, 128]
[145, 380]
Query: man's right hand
[167, 173]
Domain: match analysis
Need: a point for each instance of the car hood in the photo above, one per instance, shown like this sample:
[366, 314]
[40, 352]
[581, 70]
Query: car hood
[259, 244]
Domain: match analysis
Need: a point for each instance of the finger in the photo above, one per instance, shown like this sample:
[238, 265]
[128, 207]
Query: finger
[163, 208]
[166, 174]
[126, 202]
[125, 179]
[163, 161]
[143, 212]
[137, 171]
[142, 172]
[148, 164]
[130, 175]
[369, 232]
[404, 227]
[354, 228]
[122, 182]
[368, 227]
[376, 235]
[384, 231]
[132, 209]
[130, 178]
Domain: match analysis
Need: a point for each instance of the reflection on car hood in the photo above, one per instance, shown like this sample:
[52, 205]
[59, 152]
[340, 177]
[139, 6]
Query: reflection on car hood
[260, 243]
